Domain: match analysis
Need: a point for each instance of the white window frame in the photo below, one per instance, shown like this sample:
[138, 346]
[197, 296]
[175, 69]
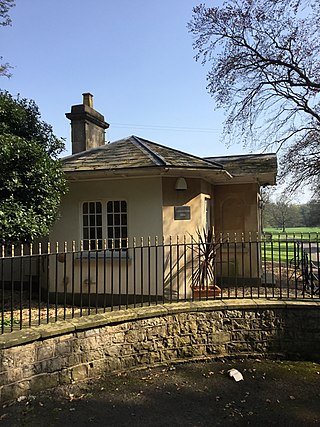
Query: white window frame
[92, 224]
[104, 224]
[207, 213]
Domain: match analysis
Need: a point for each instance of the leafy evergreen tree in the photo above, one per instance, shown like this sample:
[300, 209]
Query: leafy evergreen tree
[31, 176]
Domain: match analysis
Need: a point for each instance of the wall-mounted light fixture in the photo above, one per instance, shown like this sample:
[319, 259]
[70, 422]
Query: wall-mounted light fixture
[181, 184]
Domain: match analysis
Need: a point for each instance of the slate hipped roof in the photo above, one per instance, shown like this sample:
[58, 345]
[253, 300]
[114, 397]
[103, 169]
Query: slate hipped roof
[138, 157]
[263, 166]
[134, 152]
[249, 163]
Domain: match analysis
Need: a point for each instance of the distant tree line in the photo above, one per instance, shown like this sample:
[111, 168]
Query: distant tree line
[284, 214]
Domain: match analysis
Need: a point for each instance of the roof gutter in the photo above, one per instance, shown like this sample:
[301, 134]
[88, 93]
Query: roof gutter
[81, 174]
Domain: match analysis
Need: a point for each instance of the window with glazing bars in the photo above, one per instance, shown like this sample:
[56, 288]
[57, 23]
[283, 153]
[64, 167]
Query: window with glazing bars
[92, 225]
[117, 231]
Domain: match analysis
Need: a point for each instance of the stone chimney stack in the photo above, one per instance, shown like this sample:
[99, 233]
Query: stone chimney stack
[87, 126]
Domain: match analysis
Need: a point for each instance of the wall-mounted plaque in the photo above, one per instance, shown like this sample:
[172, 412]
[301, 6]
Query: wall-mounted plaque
[182, 213]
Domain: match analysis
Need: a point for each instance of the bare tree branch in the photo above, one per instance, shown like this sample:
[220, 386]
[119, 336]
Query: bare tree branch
[5, 6]
[265, 70]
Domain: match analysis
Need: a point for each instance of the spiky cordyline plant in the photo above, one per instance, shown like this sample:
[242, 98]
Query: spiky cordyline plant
[206, 252]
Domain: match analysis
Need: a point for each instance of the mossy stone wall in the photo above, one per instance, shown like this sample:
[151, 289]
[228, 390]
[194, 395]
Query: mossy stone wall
[79, 349]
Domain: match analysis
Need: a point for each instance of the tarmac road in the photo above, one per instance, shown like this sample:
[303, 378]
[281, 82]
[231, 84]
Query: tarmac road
[273, 393]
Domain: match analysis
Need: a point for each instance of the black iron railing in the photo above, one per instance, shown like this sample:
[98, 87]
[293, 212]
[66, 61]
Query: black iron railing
[44, 283]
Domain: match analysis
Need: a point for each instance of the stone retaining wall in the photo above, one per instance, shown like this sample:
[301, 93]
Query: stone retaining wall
[79, 349]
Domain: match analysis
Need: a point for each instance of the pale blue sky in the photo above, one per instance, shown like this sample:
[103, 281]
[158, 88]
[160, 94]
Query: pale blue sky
[134, 56]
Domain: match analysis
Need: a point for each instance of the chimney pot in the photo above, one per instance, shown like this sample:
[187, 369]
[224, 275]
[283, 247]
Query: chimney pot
[87, 126]
[88, 99]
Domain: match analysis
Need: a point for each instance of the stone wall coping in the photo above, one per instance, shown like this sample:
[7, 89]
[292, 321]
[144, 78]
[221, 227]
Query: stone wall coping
[38, 333]
[294, 304]
[16, 338]
[53, 329]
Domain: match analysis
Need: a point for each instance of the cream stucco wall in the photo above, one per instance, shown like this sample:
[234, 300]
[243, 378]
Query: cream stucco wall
[236, 216]
[144, 206]
[177, 271]
[236, 209]
[143, 197]
[150, 203]
[194, 197]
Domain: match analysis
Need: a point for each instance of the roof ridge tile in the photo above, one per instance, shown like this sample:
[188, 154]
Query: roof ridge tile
[159, 160]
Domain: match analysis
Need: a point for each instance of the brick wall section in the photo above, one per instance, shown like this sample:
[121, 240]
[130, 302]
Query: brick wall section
[75, 350]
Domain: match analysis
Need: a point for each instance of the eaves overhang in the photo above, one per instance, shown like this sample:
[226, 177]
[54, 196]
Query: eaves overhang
[210, 174]
[250, 168]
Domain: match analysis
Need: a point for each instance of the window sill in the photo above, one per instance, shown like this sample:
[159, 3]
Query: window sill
[101, 254]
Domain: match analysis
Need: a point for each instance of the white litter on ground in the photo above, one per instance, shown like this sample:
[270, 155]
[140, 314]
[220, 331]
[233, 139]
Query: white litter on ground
[235, 374]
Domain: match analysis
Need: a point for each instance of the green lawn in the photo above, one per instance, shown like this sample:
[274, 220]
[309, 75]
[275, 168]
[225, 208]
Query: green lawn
[279, 251]
[294, 231]
[281, 247]
[303, 233]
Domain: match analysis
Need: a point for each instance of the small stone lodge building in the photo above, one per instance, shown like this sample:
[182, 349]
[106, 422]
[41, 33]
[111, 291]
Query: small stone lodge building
[137, 188]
